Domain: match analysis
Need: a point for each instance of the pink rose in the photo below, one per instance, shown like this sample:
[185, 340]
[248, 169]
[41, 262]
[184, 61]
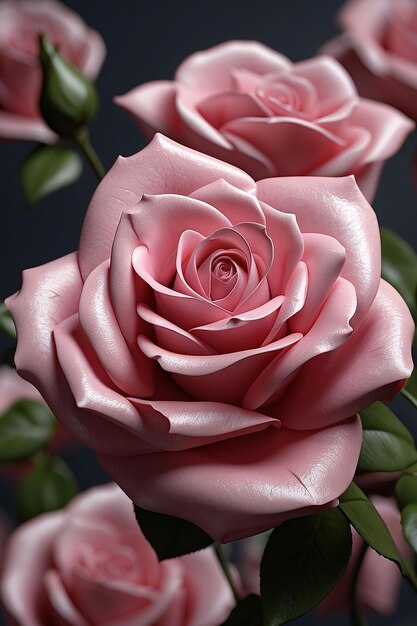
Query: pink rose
[14, 388]
[379, 49]
[21, 21]
[214, 338]
[250, 106]
[90, 564]
[379, 579]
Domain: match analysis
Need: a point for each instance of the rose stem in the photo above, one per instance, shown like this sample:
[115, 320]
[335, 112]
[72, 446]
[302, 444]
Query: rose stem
[225, 567]
[82, 140]
[409, 397]
[357, 618]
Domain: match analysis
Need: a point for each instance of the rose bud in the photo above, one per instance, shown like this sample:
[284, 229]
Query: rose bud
[68, 100]
[22, 21]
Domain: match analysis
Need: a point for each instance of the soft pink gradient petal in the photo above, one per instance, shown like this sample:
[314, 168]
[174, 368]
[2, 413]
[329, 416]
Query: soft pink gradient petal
[111, 417]
[152, 107]
[234, 203]
[162, 167]
[387, 126]
[211, 71]
[303, 145]
[129, 371]
[224, 107]
[60, 601]
[28, 552]
[324, 257]
[329, 78]
[182, 425]
[330, 331]
[218, 377]
[250, 484]
[17, 127]
[203, 579]
[368, 367]
[335, 207]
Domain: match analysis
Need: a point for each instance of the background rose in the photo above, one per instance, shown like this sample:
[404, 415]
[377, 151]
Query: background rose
[21, 21]
[249, 105]
[379, 579]
[379, 49]
[201, 339]
[90, 564]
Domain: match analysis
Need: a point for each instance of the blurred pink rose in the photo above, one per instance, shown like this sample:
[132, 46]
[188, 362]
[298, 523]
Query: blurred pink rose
[14, 388]
[379, 49]
[21, 22]
[379, 579]
[250, 106]
[90, 564]
[214, 338]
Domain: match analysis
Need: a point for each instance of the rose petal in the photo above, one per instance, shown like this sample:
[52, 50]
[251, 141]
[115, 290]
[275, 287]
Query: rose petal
[162, 167]
[250, 484]
[328, 77]
[28, 551]
[324, 257]
[14, 388]
[132, 373]
[366, 368]
[387, 126]
[330, 331]
[219, 377]
[335, 207]
[183, 425]
[60, 601]
[211, 71]
[152, 107]
[234, 203]
[265, 134]
[19, 127]
[204, 581]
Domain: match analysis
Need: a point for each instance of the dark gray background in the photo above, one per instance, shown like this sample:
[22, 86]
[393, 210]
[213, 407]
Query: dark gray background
[146, 41]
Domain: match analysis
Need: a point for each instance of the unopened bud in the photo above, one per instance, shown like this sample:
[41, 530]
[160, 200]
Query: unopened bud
[68, 100]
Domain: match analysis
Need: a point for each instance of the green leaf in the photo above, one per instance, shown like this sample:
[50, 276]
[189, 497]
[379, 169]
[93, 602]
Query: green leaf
[24, 429]
[48, 169]
[387, 445]
[248, 612]
[49, 487]
[366, 520]
[6, 321]
[409, 523]
[399, 266]
[406, 491]
[171, 536]
[303, 560]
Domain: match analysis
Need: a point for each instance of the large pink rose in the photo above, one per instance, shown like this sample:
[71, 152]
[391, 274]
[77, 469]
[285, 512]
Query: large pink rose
[214, 338]
[91, 565]
[21, 21]
[250, 106]
[379, 49]
[379, 579]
